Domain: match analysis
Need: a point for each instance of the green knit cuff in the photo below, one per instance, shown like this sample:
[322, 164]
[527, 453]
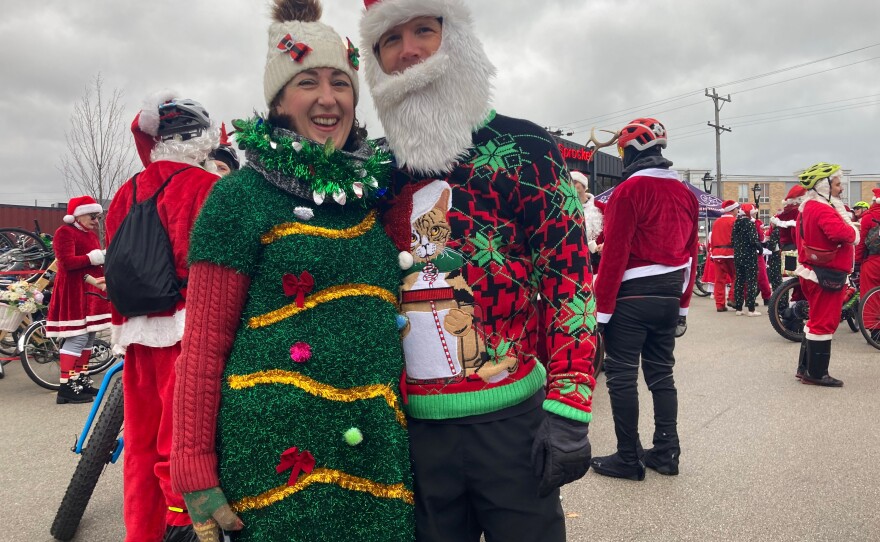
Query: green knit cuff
[566, 411]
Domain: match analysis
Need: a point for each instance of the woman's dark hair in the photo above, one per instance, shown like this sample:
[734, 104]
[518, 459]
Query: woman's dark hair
[356, 136]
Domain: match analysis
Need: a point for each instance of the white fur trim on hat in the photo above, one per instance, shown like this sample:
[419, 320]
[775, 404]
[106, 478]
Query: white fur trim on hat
[426, 198]
[729, 208]
[148, 121]
[581, 178]
[82, 205]
[328, 51]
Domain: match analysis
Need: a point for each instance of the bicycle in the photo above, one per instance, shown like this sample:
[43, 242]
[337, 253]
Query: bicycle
[40, 356]
[104, 447]
[26, 253]
[12, 332]
[788, 315]
[869, 317]
[700, 289]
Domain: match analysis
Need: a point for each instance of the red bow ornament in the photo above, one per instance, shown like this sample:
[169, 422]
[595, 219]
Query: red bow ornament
[297, 51]
[298, 461]
[298, 286]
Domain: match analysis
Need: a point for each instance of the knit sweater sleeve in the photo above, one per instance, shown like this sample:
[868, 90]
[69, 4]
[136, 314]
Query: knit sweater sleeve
[557, 242]
[64, 245]
[213, 312]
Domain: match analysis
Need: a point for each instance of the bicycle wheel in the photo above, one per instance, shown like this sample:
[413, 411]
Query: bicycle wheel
[700, 288]
[102, 357]
[869, 317]
[788, 318]
[21, 250]
[95, 457]
[40, 356]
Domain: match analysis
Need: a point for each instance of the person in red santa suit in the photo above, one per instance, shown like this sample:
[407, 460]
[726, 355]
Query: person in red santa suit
[823, 224]
[721, 241]
[763, 277]
[593, 217]
[73, 315]
[643, 291]
[868, 261]
[173, 137]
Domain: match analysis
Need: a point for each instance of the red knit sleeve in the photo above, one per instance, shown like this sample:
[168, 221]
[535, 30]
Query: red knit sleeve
[213, 309]
[64, 245]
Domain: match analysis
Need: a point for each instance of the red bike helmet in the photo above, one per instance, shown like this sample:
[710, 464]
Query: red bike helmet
[642, 133]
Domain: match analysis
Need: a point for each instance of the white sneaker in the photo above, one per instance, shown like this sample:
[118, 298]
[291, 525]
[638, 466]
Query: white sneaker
[739, 313]
[755, 313]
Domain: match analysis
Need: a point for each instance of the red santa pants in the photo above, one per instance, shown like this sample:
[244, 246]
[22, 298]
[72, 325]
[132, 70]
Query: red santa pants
[148, 384]
[724, 275]
[763, 279]
[825, 307]
[870, 275]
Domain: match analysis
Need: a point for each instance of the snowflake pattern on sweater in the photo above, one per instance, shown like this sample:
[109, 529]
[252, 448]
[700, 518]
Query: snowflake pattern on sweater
[499, 293]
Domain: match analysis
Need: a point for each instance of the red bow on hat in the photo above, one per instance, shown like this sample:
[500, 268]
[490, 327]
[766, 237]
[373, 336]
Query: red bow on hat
[297, 461]
[298, 286]
[297, 51]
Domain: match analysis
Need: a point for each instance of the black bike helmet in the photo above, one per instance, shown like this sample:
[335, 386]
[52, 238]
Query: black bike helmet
[186, 118]
[227, 155]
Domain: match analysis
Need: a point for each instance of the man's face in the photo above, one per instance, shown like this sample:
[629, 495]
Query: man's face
[836, 187]
[409, 43]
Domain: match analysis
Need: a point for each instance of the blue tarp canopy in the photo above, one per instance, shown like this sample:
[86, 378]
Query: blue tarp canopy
[708, 203]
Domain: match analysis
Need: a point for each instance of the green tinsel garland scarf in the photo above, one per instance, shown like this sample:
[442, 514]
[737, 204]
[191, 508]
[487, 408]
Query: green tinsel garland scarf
[320, 171]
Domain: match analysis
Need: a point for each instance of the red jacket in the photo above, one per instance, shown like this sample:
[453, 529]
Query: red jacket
[865, 225]
[722, 237]
[651, 220]
[786, 221]
[823, 228]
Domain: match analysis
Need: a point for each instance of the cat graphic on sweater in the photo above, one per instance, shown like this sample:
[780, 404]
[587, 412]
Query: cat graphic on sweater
[441, 339]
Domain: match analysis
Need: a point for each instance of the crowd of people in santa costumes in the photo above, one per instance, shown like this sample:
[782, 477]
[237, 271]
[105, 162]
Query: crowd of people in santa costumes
[825, 237]
[868, 260]
[173, 137]
[643, 291]
[73, 315]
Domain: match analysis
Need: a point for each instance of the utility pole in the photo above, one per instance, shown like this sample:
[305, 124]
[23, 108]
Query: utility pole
[719, 103]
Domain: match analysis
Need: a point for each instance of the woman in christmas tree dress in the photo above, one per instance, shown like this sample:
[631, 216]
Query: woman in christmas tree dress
[287, 395]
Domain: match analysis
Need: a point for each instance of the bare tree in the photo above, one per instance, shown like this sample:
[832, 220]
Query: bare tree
[99, 156]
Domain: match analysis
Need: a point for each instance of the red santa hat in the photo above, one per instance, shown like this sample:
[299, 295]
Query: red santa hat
[413, 201]
[145, 126]
[729, 205]
[82, 205]
[876, 198]
[577, 176]
[749, 210]
[795, 196]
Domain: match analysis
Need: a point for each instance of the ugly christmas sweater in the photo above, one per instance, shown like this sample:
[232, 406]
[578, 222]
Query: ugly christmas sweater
[496, 291]
[311, 439]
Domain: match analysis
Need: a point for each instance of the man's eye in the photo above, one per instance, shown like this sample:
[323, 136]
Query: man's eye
[390, 39]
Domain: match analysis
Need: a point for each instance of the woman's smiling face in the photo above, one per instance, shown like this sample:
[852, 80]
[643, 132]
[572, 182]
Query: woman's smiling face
[320, 105]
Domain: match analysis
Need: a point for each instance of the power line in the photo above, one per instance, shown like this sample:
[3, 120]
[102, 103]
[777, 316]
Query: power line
[807, 75]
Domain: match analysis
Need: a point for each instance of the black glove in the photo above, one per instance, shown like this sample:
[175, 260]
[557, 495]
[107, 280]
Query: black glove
[561, 452]
[600, 327]
[681, 327]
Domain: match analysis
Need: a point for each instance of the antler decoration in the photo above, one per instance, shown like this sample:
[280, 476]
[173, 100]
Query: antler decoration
[598, 144]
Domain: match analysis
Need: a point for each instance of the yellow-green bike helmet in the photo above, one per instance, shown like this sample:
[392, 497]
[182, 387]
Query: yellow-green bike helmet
[816, 173]
[861, 205]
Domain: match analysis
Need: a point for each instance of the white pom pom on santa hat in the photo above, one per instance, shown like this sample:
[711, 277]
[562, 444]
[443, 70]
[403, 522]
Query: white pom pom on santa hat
[79, 206]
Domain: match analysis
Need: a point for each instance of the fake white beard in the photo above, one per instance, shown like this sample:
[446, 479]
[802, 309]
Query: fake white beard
[593, 220]
[192, 151]
[430, 110]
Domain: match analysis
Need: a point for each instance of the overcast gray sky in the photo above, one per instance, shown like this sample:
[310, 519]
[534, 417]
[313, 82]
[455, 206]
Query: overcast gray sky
[562, 63]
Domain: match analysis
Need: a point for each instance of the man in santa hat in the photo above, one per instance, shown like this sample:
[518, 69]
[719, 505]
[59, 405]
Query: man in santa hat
[721, 239]
[515, 223]
[867, 256]
[643, 291]
[174, 137]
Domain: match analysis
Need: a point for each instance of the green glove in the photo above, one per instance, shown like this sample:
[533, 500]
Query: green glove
[210, 512]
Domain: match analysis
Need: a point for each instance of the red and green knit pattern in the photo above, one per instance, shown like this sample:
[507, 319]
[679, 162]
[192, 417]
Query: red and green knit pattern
[315, 365]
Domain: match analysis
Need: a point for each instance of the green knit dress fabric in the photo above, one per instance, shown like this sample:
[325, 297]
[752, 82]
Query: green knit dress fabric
[352, 343]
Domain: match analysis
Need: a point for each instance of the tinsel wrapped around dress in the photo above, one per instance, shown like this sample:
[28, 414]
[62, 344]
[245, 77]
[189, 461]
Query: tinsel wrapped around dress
[311, 440]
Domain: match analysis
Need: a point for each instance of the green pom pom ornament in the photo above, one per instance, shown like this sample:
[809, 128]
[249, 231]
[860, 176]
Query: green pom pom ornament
[353, 436]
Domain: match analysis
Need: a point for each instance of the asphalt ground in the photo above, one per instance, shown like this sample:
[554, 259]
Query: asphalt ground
[763, 456]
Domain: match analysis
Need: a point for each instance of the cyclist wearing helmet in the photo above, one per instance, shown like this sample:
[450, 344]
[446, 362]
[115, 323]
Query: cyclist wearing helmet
[643, 290]
[859, 209]
[172, 135]
[823, 225]
[224, 157]
[867, 258]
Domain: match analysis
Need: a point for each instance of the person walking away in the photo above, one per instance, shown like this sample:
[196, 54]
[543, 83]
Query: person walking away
[173, 137]
[722, 253]
[747, 249]
[73, 315]
[487, 220]
[825, 238]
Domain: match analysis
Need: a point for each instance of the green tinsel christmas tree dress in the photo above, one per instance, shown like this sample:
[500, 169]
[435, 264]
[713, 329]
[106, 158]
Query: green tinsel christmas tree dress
[311, 437]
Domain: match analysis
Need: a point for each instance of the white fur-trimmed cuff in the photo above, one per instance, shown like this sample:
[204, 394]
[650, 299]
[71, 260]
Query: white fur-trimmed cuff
[155, 331]
[603, 317]
[96, 257]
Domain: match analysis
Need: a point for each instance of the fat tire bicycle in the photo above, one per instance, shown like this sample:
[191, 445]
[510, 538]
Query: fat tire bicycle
[104, 447]
[788, 317]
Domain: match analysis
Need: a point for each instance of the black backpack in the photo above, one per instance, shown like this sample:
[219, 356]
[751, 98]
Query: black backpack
[872, 238]
[139, 267]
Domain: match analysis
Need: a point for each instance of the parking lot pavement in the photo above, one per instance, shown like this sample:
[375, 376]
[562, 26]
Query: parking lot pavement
[763, 456]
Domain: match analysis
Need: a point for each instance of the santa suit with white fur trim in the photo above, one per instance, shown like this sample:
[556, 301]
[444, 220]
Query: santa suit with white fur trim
[152, 344]
[870, 263]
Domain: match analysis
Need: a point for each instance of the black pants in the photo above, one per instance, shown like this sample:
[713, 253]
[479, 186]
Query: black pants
[478, 478]
[642, 328]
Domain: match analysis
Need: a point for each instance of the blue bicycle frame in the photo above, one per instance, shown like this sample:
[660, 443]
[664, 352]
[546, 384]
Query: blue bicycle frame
[80, 442]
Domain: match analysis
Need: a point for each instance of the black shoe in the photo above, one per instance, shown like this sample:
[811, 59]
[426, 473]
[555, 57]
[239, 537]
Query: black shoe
[827, 381]
[86, 382]
[766, 302]
[721, 309]
[184, 533]
[665, 463]
[615, 467]
[71, 392]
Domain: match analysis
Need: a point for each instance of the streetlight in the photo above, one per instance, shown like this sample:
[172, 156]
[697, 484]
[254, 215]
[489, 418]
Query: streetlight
[707, 182]
[756, 192]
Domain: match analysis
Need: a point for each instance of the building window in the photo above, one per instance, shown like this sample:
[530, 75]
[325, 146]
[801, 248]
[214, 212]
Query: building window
[765, 193]
[744, 193]
[764, 216]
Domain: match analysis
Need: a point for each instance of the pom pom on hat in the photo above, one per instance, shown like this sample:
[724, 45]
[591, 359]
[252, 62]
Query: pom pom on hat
[298, 41]
[82, 205]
